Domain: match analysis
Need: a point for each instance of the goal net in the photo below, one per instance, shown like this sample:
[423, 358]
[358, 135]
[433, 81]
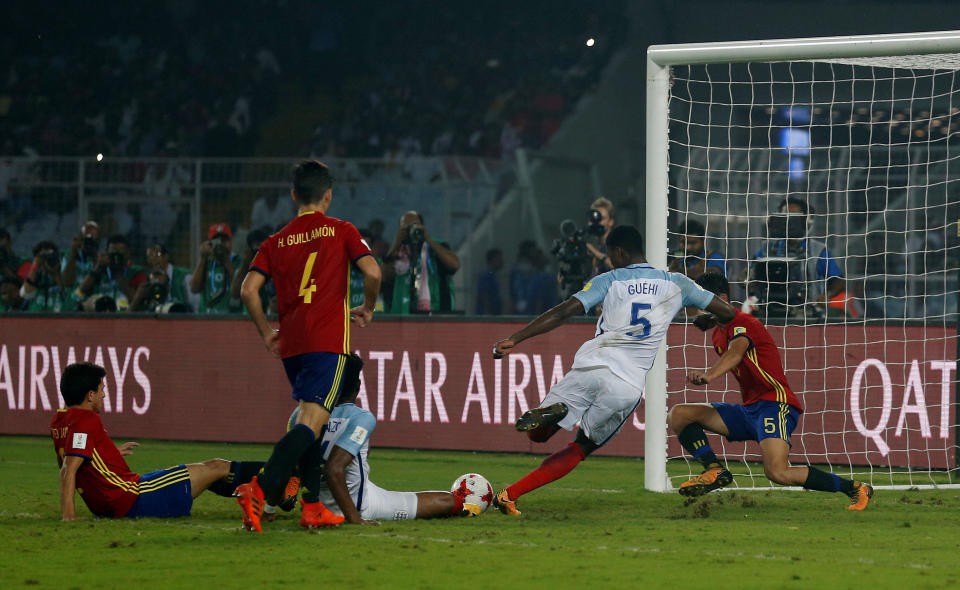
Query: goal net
[824, 178]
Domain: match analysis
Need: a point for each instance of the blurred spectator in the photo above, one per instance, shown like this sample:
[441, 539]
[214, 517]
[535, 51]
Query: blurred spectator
[791, 269]
[489, 301]
[213, 273]
[175, 288]
[420, 269]
[114, 276]
[692, 259]
[11, 266]
[10, 298]
[532, 289]
[80, 261]
[42, 287]
[268, 292]
[599, 226]
[275, 210]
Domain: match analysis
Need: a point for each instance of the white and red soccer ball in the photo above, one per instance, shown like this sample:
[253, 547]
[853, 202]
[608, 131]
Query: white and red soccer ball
[479, 493]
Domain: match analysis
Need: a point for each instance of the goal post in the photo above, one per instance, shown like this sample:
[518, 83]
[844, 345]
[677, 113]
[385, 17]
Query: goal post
[880, 115]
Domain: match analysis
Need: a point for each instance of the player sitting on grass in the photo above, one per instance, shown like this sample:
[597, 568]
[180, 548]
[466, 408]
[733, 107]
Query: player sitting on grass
[768, 415]
[346, 487]
[605, 385]
[93, 465]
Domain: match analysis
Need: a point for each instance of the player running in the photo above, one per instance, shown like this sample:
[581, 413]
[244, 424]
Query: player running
[605, 385]
[309, 261]
[768, 415]
[346, 489]
[90, 462]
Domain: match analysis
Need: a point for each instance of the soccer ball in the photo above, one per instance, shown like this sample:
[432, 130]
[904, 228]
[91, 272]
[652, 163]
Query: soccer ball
[479, 493]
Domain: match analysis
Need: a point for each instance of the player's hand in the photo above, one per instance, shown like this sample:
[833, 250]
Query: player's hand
[361, 316]
[272, 342]
[697, 377]
[503, 348]
[705, 321]
[368, 522]
[127, 448]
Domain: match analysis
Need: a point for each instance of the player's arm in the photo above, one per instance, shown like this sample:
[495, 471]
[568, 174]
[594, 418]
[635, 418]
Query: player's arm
[362, 315]
[335, 471]
[250, 294]
[718, 311]
[543, 323]
[68, 486]
[728, 360]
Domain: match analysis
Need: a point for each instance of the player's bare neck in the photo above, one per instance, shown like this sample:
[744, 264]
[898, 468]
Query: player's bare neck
[320, 207]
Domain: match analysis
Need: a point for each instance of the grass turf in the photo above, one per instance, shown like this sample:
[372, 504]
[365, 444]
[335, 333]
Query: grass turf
[595, 528]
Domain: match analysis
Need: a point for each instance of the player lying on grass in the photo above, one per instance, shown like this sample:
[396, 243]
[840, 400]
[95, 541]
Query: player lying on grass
[346, 487]
[768, 414]
[605, 385]
[93, 465]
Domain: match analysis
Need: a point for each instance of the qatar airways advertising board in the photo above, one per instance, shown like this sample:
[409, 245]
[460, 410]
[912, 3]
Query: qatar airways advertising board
[873, 394]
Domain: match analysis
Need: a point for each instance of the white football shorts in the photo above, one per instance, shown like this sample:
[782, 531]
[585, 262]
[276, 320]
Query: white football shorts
[381, 504]
[596, 399]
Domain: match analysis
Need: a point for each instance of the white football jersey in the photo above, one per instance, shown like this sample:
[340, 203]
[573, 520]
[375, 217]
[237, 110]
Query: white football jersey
[349, 427]
[639, 302]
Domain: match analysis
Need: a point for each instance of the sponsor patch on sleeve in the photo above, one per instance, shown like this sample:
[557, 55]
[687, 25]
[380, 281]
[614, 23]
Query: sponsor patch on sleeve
[739, 330]
[79, 440]
[364, 242]
[587, 287]
[359, 435]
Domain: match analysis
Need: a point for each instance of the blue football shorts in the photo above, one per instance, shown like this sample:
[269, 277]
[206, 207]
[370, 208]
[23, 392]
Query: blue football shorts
[760, 420]
[164, 494]
[316, 377]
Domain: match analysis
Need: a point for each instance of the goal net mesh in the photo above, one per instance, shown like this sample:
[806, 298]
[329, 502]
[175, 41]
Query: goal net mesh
[867, 329]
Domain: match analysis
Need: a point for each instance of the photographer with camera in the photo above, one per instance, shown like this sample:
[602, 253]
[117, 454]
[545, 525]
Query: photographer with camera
[114, 276]
[791, 271]
[598, 229]
[213, 274]
[420, 269]
[80, 260]
[42, 286]
[693, 259]
[162, 294]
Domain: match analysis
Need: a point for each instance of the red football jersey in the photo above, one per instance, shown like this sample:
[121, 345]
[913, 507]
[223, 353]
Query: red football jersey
[309, 262]
[760, 373]
[104, 481]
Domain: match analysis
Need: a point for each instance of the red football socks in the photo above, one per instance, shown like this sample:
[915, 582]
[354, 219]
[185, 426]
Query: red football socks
[553, 467]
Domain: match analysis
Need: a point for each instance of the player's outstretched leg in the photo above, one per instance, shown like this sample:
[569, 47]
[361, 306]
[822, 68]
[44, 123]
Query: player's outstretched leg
[545, 416]
[553, 468]
[250, 498]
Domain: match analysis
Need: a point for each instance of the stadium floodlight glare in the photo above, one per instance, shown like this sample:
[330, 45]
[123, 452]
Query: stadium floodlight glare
[590, 42]
[880, 388]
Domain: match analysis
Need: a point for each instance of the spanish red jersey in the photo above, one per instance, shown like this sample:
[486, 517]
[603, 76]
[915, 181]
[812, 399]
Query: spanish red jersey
[309, 263]
[104, 480]
[760, 372]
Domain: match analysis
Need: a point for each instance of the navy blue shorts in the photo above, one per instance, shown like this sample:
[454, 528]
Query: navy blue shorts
[316, 377]
[760, 420]
[164, 494]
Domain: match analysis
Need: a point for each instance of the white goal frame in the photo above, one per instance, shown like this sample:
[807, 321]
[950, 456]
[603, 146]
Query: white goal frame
[660, 58]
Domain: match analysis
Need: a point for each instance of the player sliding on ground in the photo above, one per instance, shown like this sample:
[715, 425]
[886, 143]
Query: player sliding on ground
[768, 415]
[605, 385]
[346, 488]
[90, 462]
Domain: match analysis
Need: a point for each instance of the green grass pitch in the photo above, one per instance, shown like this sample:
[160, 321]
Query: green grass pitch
[595, 528]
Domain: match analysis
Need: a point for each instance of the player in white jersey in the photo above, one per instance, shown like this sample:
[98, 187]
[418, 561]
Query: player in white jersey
[605, 384]
[346, 487]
